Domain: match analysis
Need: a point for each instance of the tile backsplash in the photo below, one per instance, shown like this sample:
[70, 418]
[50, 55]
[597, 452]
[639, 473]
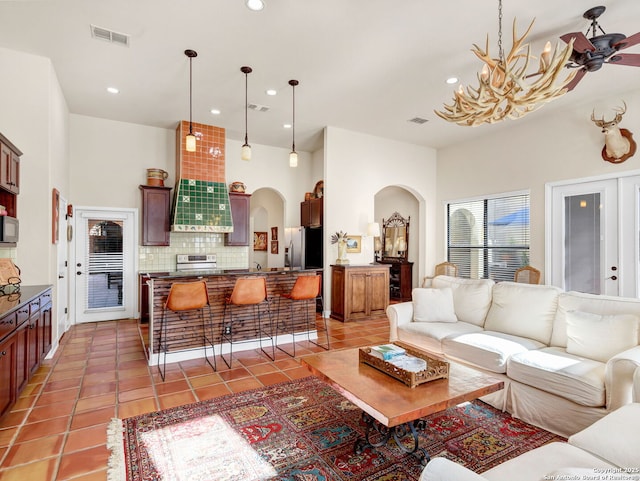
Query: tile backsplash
[161, 259]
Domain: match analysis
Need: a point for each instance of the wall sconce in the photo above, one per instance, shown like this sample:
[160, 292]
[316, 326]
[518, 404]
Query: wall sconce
[293, 156]
[190, 140]
[373, 230]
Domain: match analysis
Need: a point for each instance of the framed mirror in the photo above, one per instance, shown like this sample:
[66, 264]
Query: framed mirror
[395, 238]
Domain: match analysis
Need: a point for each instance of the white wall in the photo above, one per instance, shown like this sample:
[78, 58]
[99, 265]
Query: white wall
[548, 145]
[357, 166]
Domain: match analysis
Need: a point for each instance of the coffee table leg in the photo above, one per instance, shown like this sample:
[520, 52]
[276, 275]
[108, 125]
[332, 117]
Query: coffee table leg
[373, 427]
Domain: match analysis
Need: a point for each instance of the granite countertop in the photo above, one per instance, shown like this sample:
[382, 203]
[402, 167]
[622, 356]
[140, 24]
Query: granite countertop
[225, 272]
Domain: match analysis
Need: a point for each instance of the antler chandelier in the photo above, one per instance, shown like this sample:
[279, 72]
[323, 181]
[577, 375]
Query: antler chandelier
[506, 90]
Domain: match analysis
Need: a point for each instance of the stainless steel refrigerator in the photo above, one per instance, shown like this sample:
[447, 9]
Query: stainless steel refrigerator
[303, 247]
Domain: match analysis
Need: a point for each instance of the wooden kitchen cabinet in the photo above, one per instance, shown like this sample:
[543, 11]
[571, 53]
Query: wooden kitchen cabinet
[240, 209]
[156, 205]
[25, 339]
[359, 292]
[7, 373]
[9, 166]
[311, 213]
[9, 175]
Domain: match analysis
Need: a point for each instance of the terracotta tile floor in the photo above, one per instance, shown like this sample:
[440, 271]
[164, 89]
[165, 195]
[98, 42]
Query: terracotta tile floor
[57, 429]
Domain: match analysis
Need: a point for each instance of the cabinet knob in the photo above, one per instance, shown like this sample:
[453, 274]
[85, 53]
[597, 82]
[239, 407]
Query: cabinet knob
[4, 353]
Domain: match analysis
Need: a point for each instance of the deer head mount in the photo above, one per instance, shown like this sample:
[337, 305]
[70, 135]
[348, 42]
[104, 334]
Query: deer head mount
[618, 143]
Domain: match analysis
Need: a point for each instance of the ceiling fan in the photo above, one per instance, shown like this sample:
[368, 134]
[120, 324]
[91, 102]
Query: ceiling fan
[589, 54]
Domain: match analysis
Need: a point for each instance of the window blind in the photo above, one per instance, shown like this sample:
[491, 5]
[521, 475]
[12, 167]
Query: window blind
[489, 238]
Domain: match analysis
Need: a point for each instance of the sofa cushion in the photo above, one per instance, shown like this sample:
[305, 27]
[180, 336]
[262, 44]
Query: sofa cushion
[615, 437]
[429, 335]
[488, 350]
[553, 370]
[525, 310]
[597, 304]
[433, 305]
[471, 297]
[539, 463]
[600, 337]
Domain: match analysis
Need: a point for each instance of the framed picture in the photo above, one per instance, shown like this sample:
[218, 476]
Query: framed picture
[55, 216]
[274, 246]
[354, 244]
[259, 241]
[274, 233]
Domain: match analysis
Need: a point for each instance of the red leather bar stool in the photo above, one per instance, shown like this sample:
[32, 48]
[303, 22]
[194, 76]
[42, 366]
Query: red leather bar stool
[249, 297]
[183, 299]
[305, 290]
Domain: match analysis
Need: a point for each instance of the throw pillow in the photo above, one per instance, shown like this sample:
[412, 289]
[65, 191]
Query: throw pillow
[433, 305]
[600, 337]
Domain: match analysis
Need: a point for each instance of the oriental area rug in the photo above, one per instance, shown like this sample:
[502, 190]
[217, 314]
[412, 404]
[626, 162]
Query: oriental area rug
[301, 430]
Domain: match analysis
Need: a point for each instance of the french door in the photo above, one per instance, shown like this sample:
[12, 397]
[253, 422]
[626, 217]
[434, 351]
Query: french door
[104, 267]
[594, 236]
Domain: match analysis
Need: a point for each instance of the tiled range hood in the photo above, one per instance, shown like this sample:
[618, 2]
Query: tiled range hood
[201, 199]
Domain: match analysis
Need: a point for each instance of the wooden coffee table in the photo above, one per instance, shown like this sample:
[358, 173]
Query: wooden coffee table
[390, 407]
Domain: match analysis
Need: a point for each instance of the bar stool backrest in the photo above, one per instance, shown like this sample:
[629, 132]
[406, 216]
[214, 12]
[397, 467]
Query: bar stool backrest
[305, 287]
[184, 296]
[249, 290]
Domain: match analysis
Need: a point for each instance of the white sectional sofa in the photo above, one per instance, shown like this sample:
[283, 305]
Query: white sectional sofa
[608, 450]
[567, 358]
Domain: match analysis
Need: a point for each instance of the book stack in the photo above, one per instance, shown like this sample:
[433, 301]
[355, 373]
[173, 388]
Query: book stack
[386, 352]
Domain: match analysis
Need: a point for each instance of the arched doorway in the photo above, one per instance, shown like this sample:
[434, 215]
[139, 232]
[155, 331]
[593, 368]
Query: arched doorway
[393, 199]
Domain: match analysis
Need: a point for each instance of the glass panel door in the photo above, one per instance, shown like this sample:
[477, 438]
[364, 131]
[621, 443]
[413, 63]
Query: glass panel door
[104, 269]
[584, 233]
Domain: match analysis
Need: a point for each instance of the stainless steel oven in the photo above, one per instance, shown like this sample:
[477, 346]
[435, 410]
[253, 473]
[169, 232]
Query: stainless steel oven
[195, 262]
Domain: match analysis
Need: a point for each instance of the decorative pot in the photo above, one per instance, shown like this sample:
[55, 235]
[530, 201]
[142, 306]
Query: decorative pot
[237, 187]
[156, 177]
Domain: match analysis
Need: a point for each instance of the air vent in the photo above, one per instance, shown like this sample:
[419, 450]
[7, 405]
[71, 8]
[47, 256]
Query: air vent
[110, 36]
[259, 108]
[418, 120]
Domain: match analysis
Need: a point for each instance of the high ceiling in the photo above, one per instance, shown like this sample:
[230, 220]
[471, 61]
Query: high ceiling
[363, 65]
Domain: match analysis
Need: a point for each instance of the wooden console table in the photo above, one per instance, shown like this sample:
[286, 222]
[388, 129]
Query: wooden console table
[359, 291]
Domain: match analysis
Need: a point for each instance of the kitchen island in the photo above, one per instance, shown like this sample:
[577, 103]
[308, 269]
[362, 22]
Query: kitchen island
[184, 336]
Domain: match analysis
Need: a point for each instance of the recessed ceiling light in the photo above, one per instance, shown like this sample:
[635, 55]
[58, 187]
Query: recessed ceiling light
[112, 90]
[255, 5]
[452, 80]
[287, 126]
[215, 111]
[271, 92]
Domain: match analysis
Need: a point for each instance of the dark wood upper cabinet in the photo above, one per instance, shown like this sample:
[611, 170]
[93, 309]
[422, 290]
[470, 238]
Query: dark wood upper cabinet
[311, 213]
[9, 175]
[156, 204]
[240, 208]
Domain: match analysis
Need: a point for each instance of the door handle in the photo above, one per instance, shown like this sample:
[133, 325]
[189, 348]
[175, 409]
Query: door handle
[613, 278]
[60, 277]
[79, 273]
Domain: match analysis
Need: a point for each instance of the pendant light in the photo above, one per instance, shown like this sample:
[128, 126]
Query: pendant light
[293, 156]
[246, 148]
[190, 139]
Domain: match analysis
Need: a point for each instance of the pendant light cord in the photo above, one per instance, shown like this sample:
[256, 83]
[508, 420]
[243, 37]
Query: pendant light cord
[293, 84]
[190, 95]
[500, 51]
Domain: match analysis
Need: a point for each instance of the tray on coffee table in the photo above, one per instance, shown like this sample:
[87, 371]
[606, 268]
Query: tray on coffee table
[436, 368]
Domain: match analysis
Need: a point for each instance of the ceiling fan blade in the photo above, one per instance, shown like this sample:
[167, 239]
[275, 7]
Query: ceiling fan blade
[580, 42]
[628, 42]
[571, 85]
[632, 59]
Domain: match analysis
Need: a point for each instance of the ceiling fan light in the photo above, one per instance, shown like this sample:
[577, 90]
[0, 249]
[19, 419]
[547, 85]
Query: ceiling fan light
[245, 153]
[190, 144]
